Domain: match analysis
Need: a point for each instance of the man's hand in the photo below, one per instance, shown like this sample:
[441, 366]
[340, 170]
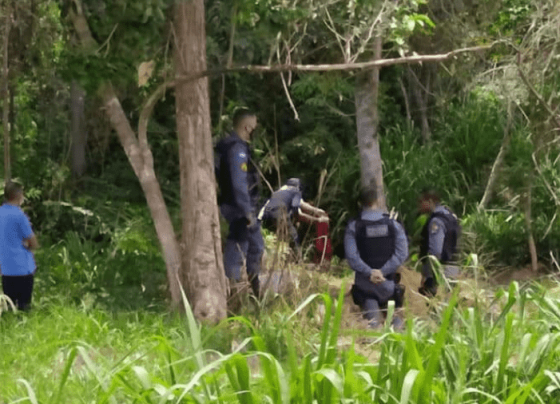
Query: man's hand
[376, 276]
[251, 220]
[323, 219]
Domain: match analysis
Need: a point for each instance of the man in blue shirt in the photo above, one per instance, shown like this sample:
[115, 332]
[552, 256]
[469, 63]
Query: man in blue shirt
[440, 237]
[375, 246]
[17, 241]
[238, 182]
[287, 203]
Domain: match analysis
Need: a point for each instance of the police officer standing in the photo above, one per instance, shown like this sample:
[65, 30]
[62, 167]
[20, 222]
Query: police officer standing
[287, 203]
[239, 193]
[440, 236]
[375, 246]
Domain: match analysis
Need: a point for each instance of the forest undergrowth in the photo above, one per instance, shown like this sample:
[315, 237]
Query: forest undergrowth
[475, 343]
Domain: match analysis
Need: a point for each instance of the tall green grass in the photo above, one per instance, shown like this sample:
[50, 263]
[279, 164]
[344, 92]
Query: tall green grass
[505, 351]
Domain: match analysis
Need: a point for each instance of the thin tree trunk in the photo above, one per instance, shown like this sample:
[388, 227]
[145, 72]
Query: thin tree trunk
[367, 120]
[203, 270]
[6, 95]
[78, 137]
[421, 103]
[141, 160]
[498, 162]
[406, 102]
[528, 223]
[140, 157]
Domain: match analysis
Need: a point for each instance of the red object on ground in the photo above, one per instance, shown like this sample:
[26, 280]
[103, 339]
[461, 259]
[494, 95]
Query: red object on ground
[323, 248]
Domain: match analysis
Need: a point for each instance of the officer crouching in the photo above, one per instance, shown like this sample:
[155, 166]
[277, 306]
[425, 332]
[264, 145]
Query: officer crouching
[375, 246]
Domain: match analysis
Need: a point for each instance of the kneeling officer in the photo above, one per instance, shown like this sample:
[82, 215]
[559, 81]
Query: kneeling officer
[375, 246]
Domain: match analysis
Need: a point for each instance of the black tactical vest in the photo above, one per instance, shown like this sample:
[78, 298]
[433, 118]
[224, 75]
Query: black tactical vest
[376, 245]
[223, 174]
[452, 233]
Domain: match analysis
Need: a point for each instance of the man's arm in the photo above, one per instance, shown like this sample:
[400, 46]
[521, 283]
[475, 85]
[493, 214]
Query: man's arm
[351, 251]
[401, 251]
[31, 243]
[304, 206]
[436, 236]
[29, 240]
[239, 165]
[321, 219]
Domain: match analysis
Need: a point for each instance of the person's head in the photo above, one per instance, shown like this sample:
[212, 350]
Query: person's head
[244, 123]
[13, 193]
[294, 182]
[369, 198]
[428, 201]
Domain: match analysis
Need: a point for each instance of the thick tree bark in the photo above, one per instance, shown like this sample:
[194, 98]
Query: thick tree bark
[140, 157]
[78, 137]
[6, 95]
[203, 271]
[497, 163]
[367, 119]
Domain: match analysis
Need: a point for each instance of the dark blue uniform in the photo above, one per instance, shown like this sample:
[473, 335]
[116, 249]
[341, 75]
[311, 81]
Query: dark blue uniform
[239, 193]
[283, 204]
[440, 236]
[374, 241]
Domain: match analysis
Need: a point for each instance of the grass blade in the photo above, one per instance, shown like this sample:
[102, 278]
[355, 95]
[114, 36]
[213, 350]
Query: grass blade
[30, 393]
[65, 373]
[408, 385]
[504, 352]
[425, 390]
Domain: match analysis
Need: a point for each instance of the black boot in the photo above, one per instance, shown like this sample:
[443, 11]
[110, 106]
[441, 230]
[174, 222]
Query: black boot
[429, 288]
[256, 286]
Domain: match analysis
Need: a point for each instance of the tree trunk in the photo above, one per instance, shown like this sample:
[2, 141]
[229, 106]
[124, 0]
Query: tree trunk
[6, 95]
[529, 225]
[141, 160]
[367, 119]
[421, 99]
[497, 163]
[140, 157]
[203, 271]
[78, 136]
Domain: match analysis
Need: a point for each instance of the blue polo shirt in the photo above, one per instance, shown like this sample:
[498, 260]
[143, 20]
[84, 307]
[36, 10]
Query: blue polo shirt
[15, 259]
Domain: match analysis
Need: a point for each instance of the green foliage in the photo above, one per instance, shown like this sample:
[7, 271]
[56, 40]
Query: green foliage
[102, 264]
[499, 351]
[127, 34]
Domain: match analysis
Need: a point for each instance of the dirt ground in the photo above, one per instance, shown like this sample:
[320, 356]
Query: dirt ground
[309, 278]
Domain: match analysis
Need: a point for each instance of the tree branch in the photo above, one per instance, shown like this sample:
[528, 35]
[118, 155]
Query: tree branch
[160, 91]
[536, 94]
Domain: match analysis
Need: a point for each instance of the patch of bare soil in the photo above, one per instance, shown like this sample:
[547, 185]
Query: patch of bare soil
[523, 275]
[415, 303]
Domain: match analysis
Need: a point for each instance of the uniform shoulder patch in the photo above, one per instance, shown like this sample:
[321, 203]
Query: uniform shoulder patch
[434, 228]
[377, 231]
[244, 167]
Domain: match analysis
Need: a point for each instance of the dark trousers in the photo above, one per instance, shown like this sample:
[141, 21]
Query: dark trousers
[19, 289]
[282, 225]
[244, 245]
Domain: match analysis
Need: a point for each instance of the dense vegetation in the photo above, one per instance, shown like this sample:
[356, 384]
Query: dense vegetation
[101, 331]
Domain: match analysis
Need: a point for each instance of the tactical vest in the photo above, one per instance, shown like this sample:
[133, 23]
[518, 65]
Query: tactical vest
[280, 202]
[376, 245]
[223, 174]
[452, 233]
